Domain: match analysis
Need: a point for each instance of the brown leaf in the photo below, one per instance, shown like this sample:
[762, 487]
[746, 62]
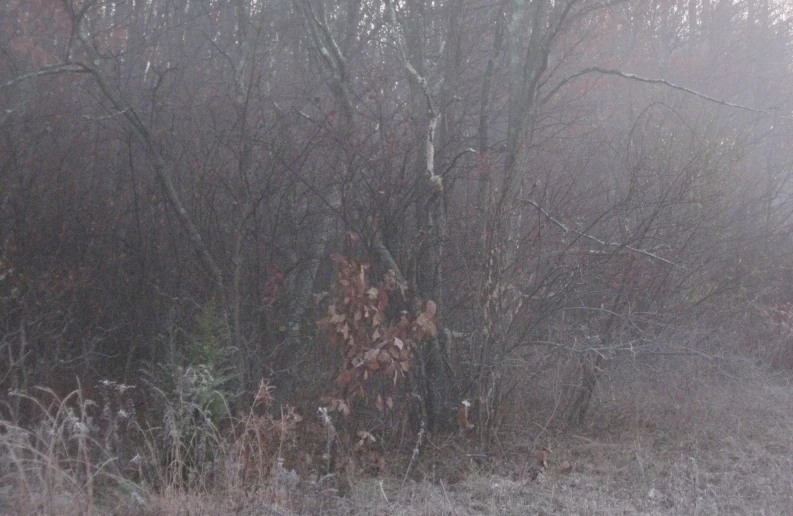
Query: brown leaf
[379, 318]
[360, 276]
[366, 436]
[384, 358]
[462, 415]
[371, 355]
[425, 321]
[404, 322]
[382, 300]
[344, 378]
[336, 318]
[543, 456]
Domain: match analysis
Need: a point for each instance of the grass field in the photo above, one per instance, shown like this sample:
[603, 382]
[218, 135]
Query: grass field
[711, 439]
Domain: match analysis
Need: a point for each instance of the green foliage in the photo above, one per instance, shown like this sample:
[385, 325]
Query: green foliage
[206, 344]
[194, 391]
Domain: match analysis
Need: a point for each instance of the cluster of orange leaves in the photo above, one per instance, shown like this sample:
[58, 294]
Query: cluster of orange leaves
[371, 344]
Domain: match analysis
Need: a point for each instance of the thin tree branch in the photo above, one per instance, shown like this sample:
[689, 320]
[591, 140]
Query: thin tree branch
[561, 225]
[646, 80]
[106, 117]
[47, 70]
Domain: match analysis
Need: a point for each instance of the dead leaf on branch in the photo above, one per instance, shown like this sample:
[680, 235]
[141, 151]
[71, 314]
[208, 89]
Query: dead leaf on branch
[431, 309]
[366, 436]
[337, 318]
[384, 358]
[371, 355]
[462, 415]
[344, 378]
[338, 259]
[371, 344]
[337, 405]
[426, 326]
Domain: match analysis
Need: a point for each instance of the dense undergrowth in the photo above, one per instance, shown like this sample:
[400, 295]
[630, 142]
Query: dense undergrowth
[700, 430]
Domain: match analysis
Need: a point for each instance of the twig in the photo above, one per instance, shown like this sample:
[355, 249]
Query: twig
[382, 491]
[446, 496]
[106, 117]
[416, 451]
[330, 437]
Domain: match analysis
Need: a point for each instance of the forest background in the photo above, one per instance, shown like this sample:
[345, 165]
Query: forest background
[461, 221]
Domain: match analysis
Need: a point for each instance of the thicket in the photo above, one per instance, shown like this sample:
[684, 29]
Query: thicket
[247, 241]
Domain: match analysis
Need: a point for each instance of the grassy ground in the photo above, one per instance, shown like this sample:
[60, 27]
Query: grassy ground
[725, 447]
[699, 441]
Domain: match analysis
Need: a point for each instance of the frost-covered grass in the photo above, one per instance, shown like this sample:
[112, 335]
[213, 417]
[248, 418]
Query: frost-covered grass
[693, 440]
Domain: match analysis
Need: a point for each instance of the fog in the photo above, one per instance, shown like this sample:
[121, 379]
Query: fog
[538, 186]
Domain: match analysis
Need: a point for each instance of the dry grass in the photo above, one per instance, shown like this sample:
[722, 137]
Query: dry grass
[716, 444]
[691, 438]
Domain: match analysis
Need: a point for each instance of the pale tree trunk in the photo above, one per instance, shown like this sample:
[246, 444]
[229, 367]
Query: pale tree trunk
[434, 377]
